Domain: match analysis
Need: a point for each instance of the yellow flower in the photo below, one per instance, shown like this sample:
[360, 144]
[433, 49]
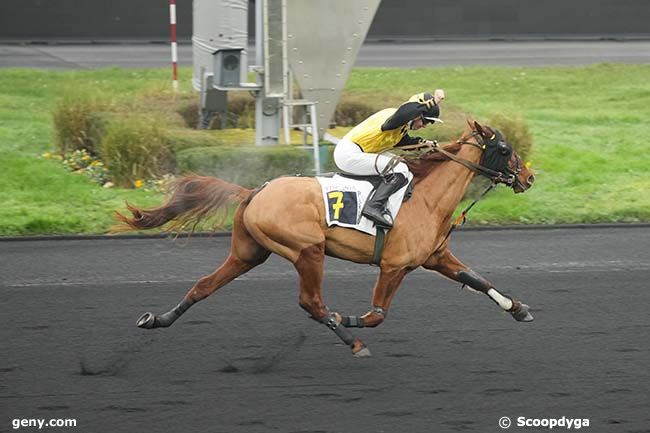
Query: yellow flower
[529, 164]
[47, 155]
[85, 157]
[96, 164]
[138, 183]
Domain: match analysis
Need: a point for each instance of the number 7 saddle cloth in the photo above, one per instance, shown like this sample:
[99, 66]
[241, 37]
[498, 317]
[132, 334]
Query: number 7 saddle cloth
[345, 197]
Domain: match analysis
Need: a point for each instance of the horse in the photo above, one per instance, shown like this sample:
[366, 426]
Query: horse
[287, 217]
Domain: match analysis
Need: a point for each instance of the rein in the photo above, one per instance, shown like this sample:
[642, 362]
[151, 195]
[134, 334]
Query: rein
[460, 220]
[496, 177]
[493, 175]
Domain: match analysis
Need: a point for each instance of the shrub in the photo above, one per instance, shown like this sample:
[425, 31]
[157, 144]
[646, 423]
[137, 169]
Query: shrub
[516, 132]
[240, 113]
[184, 138]
[351, 113]
[190, 114]
[247, 166]
[167, 107]
[134, 150]
[78, 124]
[454, 126]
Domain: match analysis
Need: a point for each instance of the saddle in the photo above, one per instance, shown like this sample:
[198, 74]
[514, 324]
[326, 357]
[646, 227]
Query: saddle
[374, 180]
[348, 201]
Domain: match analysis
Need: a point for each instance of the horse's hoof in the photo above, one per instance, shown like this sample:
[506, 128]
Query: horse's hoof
[363, 353]
[522, 314]
[146, 321]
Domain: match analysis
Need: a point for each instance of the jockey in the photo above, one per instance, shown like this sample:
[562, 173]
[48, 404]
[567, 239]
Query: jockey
[360, 152]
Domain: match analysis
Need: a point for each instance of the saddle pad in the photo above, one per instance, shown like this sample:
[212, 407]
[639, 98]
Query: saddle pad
[344, 199]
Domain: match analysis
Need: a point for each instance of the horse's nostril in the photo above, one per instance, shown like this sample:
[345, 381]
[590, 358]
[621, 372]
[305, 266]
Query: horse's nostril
[531, 179]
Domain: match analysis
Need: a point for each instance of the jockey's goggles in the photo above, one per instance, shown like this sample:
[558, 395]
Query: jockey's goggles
[430, 119]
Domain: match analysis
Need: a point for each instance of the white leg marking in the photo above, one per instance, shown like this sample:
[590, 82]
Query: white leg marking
[503, 302]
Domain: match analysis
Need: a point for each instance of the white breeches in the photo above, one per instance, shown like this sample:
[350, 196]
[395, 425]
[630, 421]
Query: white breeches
[349, 157]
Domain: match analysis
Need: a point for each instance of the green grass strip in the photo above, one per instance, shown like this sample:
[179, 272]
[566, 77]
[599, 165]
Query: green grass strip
[591, 152]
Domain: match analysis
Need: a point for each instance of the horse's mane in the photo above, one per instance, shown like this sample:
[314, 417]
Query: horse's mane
[423, 164]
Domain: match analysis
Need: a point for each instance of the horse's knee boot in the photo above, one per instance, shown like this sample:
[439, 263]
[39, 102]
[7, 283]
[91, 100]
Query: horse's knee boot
[477, 282]
[341, 332]
[474, 280]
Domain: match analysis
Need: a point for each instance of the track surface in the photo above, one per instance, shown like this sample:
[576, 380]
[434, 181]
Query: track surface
[403, 54]
[249, 360]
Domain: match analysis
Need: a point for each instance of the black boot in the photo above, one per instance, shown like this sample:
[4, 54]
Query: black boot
[375, 207]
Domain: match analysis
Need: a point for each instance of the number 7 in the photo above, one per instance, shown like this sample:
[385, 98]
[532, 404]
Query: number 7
[338, 205]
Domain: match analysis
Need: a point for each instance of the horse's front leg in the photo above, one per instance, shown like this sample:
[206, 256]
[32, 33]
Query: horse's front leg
[310, 268]
[387, 284]
[449, 266]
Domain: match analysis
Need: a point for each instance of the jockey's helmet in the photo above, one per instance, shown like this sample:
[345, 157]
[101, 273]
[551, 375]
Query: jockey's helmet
[432, 113]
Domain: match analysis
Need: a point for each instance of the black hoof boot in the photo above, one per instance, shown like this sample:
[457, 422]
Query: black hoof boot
[147, 321]
[150, 320]
[521, 313]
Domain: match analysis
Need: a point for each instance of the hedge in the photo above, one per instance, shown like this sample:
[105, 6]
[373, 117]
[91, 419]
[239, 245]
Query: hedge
[145, 137]
[251, 166]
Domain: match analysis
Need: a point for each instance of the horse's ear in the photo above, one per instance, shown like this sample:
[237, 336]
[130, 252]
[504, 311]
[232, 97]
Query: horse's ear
[479, 128]
[469, 122]
[485, 131]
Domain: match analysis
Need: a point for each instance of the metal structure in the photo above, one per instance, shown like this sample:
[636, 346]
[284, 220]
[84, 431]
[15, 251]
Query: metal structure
[323, 40]
[267, 102]
[218, 25]
[312, 42]
[309, 124]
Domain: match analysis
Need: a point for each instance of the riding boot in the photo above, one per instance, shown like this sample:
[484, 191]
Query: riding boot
[375, 207]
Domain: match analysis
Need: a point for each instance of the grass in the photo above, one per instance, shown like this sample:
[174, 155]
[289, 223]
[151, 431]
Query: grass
[588, 123]
[39, 195]
[590, 153]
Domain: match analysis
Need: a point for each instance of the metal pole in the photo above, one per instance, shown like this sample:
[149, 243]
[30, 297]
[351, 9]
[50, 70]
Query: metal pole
[259, 35]
[267, 110]
[314, 136]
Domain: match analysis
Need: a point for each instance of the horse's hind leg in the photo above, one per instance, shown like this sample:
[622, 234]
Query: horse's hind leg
[310, 268]
[449, 266]
[245, 254]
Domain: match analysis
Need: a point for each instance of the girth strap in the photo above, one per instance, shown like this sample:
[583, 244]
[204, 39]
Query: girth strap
[380, 237]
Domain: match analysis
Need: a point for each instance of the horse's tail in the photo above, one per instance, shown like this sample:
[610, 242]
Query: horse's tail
[193, 199]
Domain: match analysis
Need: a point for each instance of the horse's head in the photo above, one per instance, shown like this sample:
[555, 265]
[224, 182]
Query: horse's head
[500, 157]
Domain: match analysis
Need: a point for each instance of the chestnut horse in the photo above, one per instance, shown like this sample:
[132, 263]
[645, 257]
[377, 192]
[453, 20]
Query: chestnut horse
[266, 221]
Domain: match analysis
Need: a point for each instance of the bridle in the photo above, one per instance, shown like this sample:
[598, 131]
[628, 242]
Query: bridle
[494, 144]
[507, 176]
